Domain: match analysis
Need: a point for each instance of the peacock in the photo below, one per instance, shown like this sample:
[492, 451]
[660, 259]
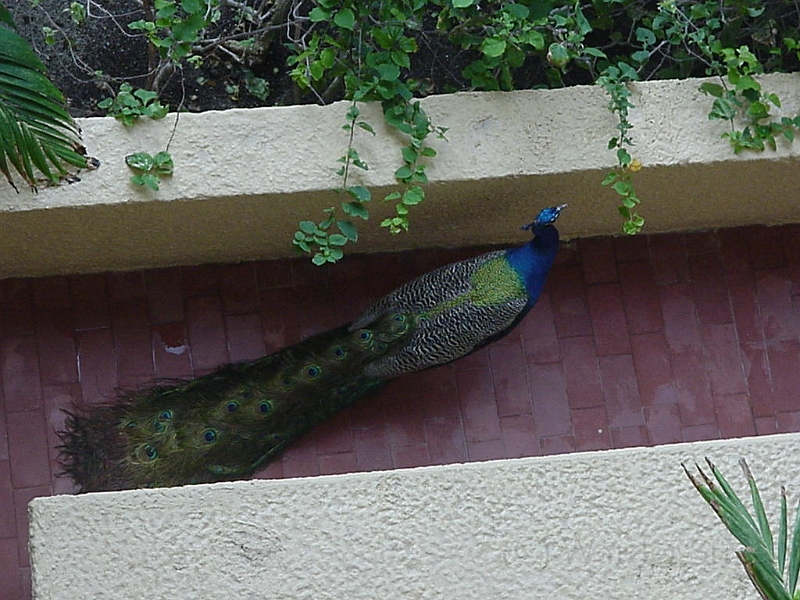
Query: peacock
[229, 423]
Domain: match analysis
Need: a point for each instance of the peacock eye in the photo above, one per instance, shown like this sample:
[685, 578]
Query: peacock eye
[210, 436]
[365, 335]
[150, 452]
[381, 347]
[232, 406]
[265, 407]
[313, 371]
[339, 352]
[166, 415]
[399, 318]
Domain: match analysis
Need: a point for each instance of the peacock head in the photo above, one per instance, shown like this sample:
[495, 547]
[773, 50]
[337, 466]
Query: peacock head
[547, 216]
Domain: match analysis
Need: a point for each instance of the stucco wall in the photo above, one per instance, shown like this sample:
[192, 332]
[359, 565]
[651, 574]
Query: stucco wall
[619, 524]
[243, 178]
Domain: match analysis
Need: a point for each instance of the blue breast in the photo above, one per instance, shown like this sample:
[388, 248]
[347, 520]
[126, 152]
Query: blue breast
[534, 260]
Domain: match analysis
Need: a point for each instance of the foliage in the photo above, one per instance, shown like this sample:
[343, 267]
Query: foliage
[395, 51]
[772, 570]
[150, 169]
[37, 135]
[130, 104]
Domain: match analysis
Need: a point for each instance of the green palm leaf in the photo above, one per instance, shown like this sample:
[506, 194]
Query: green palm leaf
[37, 135]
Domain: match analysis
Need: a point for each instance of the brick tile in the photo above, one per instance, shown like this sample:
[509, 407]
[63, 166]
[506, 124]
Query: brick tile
[709, 289]
[279, 318]
[787, 422]
[239, 289]
[245, 341]
[608, 319]
[759, 380]
[56, 344]
[629, 437]
[519, 436]
[126, 286]
[580, 372]
[597, 260]
[734, 248]
[403, 411]
[10, 576]
[620, 391]
[317, 313]
[334, 436]
[778, 313]
[486, 450]
[591, 430]
[300, 459]
[631, 248]
[406, 457]
[694, 391]
[670, 264]
[27, 448]
[20, 373]
[3, 436]
[510, 380]
[478, 360]
[342, 462]
[784, 358]
[663, 423]
[17, 307]
[680, 323]
[97, 365]
[90, 302]
[568, 300]
[132, 340]
[273, 470]
[273, 274]
[206, 332]
[560, 444]
[723, 360]
[701, 242]
[21, 499]
[446, 443]
[372, 448]
[51, 292]
[550, 405]
[640, 297]
[202, 280]
[766, 250]
[307, 276]
[766, 425]
[699, 433]
[437, 390]
[8, 520]
[171, 351]
[27, 584]
[371, 411]
[734, 416]
[165, 295]
[540, 340]
[653, 369]
[478, 407]
[742, 293]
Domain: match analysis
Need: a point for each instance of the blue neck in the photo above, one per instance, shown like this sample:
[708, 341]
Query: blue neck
[533, 260]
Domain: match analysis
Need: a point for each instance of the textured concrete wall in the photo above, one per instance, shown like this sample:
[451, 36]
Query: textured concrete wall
[243, 178]
[619, 524]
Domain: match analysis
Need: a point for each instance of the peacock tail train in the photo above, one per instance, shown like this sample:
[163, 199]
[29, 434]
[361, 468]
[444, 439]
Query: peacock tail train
[229, 423]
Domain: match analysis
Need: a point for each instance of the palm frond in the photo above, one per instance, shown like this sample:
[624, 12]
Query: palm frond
[38, 137]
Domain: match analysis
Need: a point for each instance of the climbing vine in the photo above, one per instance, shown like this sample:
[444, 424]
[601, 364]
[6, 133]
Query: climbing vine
[393, 52]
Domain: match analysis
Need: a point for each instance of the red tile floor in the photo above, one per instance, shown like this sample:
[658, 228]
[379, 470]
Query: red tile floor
[637, 341]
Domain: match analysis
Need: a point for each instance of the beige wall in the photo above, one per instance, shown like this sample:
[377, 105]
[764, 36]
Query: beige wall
[612, 525]
[243, 178]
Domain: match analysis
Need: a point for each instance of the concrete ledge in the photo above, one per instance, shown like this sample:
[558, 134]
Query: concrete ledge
[244, 178]
[619, 524]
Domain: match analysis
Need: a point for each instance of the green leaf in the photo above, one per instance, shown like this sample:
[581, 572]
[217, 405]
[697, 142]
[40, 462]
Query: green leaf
[318, 14]
[388, 71]
[712, 89]
[493, 47]
[356, 209]
[337, 239]
[413, 195]
[360, 193]
[140, 160]
[403, 173]
[345, 18]
[348, 230]
[463, 3]
[308, 227]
